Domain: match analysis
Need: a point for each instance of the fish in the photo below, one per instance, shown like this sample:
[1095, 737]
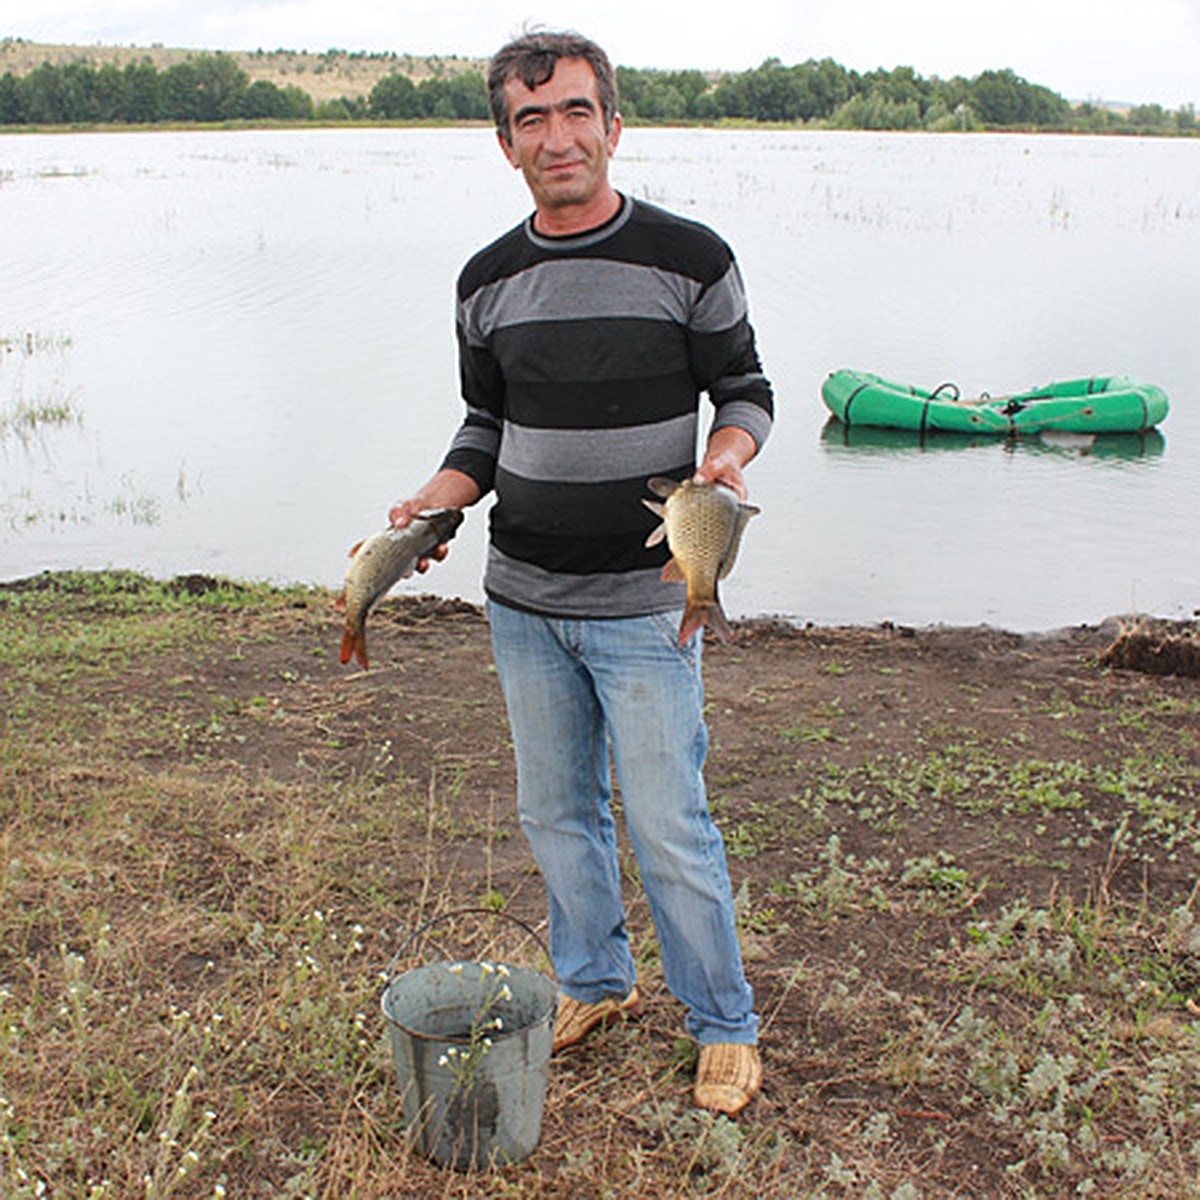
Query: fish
[703, 524]
[382, 560]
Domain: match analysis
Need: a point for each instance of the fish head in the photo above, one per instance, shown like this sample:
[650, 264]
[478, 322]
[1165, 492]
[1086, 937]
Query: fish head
[443, 521]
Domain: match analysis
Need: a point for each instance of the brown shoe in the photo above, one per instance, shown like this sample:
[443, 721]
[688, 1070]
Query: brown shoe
[728, 1077]
[577, 1019]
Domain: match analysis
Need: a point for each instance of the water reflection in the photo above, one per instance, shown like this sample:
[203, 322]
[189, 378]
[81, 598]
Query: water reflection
[869, 439]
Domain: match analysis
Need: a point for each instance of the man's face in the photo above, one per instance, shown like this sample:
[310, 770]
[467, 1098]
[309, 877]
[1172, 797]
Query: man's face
[559, 142]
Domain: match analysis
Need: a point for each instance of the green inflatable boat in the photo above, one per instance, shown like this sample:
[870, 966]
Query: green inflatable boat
[1112, 404]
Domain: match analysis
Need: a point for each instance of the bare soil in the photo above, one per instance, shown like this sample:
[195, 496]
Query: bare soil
[864, 781]
[926, 828]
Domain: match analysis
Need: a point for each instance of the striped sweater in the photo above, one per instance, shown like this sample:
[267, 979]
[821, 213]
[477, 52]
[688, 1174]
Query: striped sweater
[582, 362]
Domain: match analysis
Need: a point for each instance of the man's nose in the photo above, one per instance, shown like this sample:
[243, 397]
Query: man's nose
[557, 132]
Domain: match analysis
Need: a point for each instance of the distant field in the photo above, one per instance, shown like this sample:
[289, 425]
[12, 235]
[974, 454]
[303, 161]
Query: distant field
[325, 76]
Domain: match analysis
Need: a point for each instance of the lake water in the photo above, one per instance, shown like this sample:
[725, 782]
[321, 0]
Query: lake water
[239, 346]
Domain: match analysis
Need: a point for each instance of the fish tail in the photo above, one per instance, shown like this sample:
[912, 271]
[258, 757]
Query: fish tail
[718, 623]
[696, 616]
[354, 643]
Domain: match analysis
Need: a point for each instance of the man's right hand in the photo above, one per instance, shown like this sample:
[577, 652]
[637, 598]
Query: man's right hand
[447, 489]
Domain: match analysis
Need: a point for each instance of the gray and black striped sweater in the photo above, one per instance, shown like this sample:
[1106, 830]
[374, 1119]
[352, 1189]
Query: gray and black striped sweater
[582, 362]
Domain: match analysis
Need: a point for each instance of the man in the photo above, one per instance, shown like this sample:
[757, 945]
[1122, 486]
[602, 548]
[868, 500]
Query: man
[586, 336]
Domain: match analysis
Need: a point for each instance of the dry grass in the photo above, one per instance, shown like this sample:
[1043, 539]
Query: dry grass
[1165, 648]
[212, 844]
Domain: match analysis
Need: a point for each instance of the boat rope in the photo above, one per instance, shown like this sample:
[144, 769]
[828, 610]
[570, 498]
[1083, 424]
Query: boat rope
[952, 392]
[1084, 410]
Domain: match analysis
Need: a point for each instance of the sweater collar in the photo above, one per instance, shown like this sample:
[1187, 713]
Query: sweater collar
[589, 237]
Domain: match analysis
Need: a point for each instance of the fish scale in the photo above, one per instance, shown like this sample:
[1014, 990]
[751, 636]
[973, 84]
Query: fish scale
[382, 560]
[703, 524]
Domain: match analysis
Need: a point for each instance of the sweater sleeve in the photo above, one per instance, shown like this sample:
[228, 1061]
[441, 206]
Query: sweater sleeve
[725, 359]
[476, 445]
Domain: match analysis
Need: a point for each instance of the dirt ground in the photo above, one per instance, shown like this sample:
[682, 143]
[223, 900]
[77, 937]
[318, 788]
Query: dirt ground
[953, 850]
[788, 710]
[877, 788]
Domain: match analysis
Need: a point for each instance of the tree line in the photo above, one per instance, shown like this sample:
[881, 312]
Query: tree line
[825, 91]
[213, 88]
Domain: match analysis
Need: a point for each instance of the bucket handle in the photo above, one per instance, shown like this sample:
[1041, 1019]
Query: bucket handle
[464, 912]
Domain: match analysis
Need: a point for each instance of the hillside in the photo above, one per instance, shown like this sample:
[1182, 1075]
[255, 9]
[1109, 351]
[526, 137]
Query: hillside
[326, 76]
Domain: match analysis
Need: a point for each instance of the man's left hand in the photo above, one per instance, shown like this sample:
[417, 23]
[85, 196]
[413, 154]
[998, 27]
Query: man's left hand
[729, 450]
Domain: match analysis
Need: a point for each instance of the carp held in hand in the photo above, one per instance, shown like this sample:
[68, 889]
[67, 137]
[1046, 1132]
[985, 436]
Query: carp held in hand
[703, 524]
[382, 560]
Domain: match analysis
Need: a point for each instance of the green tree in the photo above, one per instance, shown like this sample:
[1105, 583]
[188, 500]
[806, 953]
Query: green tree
[108, 93]
[262, 100]
[1004, 98]
[222, 85]
[874, 110]
[207, 88]
[900, 86]
[828, 84]
[436, 99]
[468, 95]
[48, 97]
[12, 104]
[394, 98]
[344, 108]
[772, 93]
[142, 93]
[1151, 118]
[662, 101]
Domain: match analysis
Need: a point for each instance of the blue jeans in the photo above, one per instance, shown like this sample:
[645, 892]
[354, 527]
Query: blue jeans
[573, 688]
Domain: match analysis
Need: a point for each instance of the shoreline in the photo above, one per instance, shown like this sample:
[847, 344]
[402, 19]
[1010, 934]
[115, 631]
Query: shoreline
[199, 583]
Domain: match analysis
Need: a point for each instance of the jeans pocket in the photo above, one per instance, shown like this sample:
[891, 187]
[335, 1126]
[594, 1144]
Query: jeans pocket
[667, 624]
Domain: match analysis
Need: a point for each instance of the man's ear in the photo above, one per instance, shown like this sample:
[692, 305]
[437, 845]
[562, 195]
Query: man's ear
[614, 133]
[506, 146]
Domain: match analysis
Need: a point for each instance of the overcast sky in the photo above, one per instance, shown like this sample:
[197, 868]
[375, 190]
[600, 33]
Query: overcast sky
[1115, 50]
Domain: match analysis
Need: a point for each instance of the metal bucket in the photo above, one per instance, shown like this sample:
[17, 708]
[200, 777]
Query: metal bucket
[471, 1043]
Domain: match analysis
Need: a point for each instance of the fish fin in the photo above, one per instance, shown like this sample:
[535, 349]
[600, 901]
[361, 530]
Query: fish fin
[719, 623]
[339, 605]
[354, 643]
[355, 548]
[696, 616]
[662, 486]
[673, 572]
[657, 534]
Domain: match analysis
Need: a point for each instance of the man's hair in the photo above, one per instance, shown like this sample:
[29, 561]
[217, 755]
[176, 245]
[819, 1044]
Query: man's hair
[532, 57]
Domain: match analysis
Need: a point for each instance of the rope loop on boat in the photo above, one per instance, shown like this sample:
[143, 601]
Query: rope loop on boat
[950, 388]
